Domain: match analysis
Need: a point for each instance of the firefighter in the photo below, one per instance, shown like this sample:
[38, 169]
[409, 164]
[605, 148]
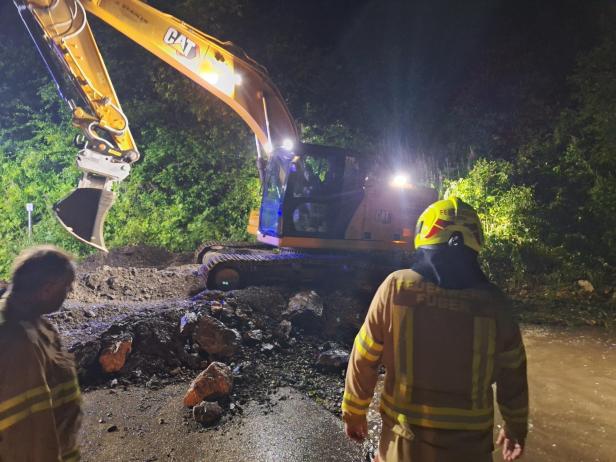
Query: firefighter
[40, 404]
[445, 335]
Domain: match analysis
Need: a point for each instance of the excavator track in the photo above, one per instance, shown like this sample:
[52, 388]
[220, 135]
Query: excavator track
[228, 247]
[243, 264]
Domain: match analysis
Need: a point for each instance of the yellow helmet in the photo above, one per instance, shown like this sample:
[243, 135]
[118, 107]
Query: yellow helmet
[443, 218]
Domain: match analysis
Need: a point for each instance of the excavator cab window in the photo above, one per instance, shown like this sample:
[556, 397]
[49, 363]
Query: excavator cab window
[270, 220]
[324, 188]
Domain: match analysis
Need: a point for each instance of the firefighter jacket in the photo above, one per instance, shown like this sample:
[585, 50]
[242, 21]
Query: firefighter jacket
[442, 350]
[40, 403]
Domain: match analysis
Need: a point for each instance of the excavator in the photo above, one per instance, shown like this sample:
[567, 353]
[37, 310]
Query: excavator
[325, 212]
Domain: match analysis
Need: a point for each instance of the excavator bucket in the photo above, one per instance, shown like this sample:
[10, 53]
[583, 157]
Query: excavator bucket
[83, 212]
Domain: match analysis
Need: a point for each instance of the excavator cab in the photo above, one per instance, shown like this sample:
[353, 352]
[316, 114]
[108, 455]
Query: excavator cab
[311, 192]
[326, 197]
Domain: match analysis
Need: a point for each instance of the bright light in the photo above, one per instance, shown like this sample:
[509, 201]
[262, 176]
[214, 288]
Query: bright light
[238, 79]
[268, 147]
[211, 77]
[288, 144]
[401, 180]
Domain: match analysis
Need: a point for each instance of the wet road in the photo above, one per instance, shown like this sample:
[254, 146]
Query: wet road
[572, 377]
[572, 380]
[295, 428]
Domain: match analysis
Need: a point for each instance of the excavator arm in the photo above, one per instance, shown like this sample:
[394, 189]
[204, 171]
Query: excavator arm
[63, 36]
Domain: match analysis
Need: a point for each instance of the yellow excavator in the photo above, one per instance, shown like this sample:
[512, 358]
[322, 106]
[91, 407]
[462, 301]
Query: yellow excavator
[324, 212]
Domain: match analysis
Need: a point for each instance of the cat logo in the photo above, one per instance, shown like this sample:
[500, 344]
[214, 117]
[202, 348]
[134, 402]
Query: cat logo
[182, 44]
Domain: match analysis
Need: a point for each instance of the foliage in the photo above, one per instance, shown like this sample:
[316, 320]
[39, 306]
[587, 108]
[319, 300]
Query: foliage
[507, 213]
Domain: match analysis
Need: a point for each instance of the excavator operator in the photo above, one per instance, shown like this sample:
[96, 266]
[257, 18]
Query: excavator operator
[445, 335]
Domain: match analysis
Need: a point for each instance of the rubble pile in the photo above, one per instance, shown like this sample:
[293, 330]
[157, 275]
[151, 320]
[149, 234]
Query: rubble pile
[152, 325]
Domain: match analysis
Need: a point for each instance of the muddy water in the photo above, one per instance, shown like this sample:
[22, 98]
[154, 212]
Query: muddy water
[572, 380]
[572, 383]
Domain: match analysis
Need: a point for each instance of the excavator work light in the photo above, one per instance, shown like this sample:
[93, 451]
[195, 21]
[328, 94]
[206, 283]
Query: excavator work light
[400, 180]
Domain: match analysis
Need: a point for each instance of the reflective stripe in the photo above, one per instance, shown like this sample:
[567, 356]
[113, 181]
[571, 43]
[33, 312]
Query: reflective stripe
[67, 399]
[73, 456]
[433, 410]
[404, 339]
[45, 399]
[73, 384]
[484, 337]
[8, 422]
[23, 397]
[350, 407]
[354, 405]
[514, 415]
[355, 400]
[512, 359]
[364, 351]
[444, 421]
[369, 341]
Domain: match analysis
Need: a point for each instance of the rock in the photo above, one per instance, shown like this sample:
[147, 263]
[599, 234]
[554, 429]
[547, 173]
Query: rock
[215, 338]
[213, 383]
[305, 310]
[88, 313]
[216, 308]
[283, 330]
[586, 286]
[333, 359]
[113, 428]
[267, 348]
[253, 337]
[113, 357]
[188, 323]
[207, 413]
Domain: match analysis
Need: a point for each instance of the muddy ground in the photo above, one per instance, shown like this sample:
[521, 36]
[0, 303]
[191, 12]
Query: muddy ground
[283, 406]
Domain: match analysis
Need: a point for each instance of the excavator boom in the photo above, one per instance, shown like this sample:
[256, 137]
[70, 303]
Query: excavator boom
[63, 36]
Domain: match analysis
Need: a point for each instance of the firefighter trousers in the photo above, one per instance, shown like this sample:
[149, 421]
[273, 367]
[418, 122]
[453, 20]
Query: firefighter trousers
[399, 444]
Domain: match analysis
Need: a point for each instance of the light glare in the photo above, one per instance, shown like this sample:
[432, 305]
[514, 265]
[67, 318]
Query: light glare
[400, 180]
[288, 144]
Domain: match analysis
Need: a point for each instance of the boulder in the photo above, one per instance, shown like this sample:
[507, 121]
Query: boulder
[333, 359]
[207, 413]
[305, 310]
[215, 338]
[215, 382]
[114, 354]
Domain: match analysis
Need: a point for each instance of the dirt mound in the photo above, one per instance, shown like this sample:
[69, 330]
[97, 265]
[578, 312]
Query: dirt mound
[137, 256]
[137, 283]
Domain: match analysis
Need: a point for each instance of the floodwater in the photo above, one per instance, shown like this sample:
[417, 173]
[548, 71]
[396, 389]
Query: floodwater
[572, 381]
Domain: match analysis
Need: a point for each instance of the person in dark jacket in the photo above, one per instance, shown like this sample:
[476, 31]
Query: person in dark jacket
[40, 402]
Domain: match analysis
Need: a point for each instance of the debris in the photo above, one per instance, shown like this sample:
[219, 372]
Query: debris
[207, 413]
[215, 338]
[213, 383]
[283, 330]
[113, 356]
[188, 322]
[333, 359]
[253, 337]
[304, 306]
